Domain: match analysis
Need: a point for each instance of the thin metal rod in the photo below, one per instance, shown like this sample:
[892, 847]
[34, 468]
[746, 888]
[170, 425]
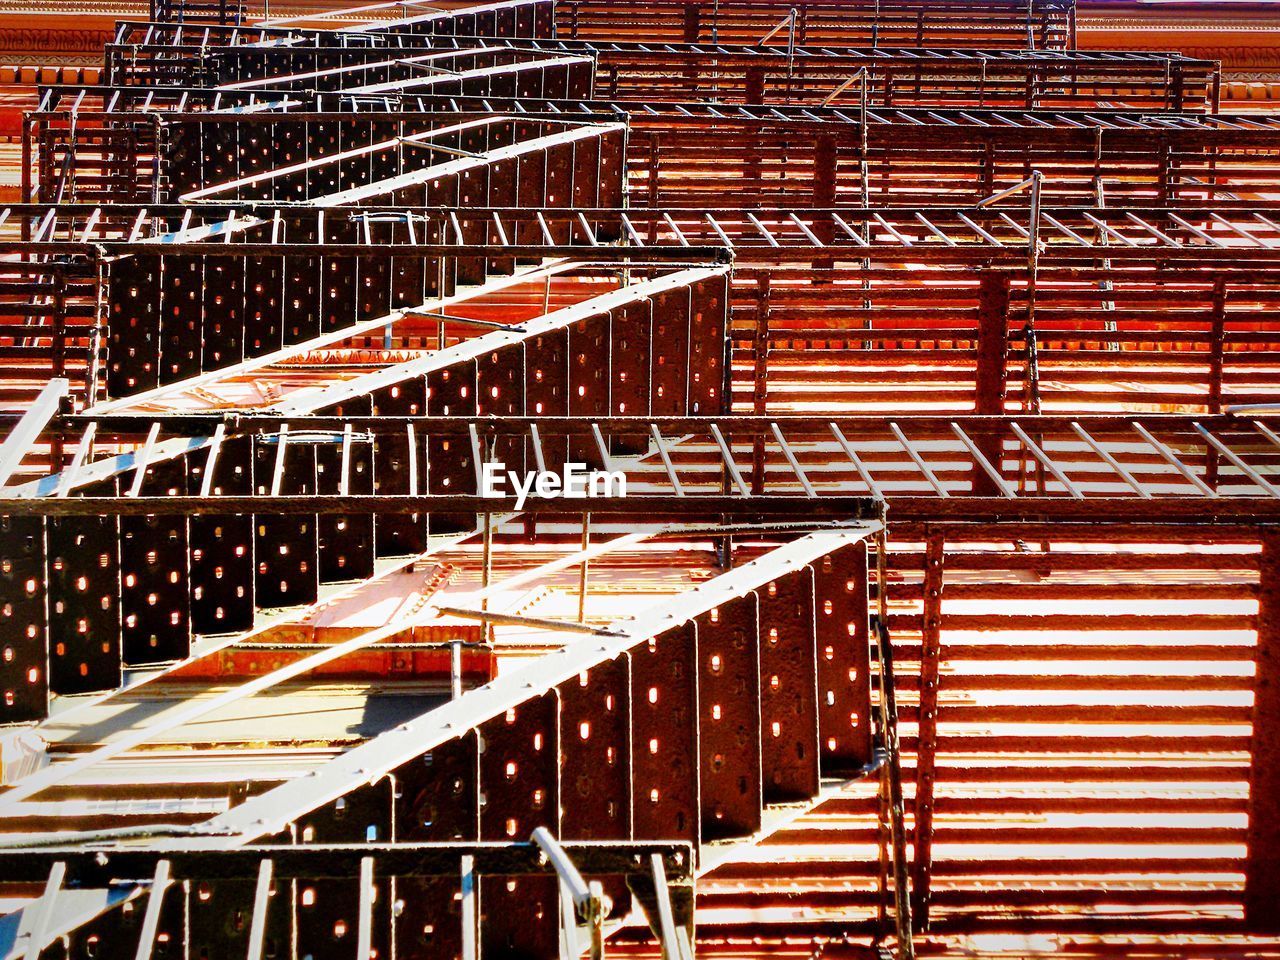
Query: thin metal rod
[261, 903]
[344, 473]
[282, 446]
[1267, 432]
[857, 462]
[151, 919]
[984, 463]
[729, 463]
[144, 460]
[893, 769]
[470, 949]
[795, 463]
[584, 567]
[1006, 192]
[42, 912]
[518, 620]
[1045, 460]
[455, 669]
[666, 918]
[1174, 462]
[1111, 461]
[665, 454]
[1230, 454]
[68, 476]
[211, 462]
[28, 429]
[564, 867]
[918, 460]
[782, 25]
[860, 75]
[364, 921]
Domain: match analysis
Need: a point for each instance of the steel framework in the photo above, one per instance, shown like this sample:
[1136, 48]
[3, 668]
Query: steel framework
[935, 589]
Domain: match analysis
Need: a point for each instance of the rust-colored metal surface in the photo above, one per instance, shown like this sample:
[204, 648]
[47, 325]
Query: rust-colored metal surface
[677, 479]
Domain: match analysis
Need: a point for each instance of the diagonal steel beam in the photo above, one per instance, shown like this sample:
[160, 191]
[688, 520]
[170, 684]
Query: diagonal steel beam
[27, 430]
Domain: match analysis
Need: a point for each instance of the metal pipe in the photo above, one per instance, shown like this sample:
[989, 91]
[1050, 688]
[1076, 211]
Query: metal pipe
[1033, 270]
[588, 901]
[1007, 191]
[84, 837]
[455, 669]
[893, 768]
[584, 568]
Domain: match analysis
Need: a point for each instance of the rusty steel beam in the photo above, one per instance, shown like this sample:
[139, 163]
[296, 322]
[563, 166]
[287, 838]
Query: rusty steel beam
[927, 736]
[1262, 867]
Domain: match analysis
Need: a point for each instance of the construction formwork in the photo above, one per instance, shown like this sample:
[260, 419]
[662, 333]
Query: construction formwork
[927, 366]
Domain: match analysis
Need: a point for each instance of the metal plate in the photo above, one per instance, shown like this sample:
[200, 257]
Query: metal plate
[437, 794]
[729, 719]
[595, 768]
[84, 603]
[664, 708]
[286, 548]
[24, 682]
[181, 297]
[406, 534]
[844, 662]
[519, 780]
[155, 598]
[134, 351]
[222, 546]
[788, 688]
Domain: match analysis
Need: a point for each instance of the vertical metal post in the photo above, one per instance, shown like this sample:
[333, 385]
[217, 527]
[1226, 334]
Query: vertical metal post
[667, 934]
[584, 568]
[470, 949]
[28, 128]
[892, 771]
[1262, 865]
[991, 378]
[993, 344]
[261, 903]
[595, 920]
[1033, 269]
[927, 737]
[1103, 240]
[486, 571]
[791, 51]
[760, 378]
[1217, 345]
[364, 921]
[455, 669]
[59, 322]
[568, 924]
[864, 174]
